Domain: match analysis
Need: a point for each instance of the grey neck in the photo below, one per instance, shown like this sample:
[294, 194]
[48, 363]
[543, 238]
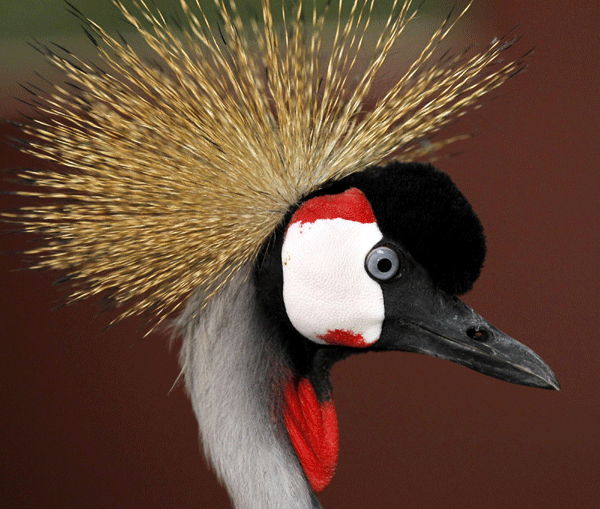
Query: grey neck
[234, 366]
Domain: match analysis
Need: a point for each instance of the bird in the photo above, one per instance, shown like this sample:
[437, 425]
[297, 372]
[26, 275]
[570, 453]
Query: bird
[236, 179]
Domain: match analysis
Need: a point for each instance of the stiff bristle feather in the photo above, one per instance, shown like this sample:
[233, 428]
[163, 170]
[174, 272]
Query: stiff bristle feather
[178, 171]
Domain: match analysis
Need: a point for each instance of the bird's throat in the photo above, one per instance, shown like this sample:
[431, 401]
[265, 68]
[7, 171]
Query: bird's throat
[313, 430]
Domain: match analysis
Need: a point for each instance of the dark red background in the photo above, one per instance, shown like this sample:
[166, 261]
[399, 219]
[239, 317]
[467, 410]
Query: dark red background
[90, 419]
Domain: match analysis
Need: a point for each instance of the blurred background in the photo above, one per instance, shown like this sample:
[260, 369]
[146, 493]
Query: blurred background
[91, 418]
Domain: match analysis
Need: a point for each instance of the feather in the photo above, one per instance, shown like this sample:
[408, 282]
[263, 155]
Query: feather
[177, 172]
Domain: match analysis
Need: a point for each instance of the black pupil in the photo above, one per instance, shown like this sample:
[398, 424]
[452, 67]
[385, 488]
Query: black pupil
[384, 265]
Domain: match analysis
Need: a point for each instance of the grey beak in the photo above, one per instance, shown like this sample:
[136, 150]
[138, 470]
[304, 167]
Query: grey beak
[443, 326]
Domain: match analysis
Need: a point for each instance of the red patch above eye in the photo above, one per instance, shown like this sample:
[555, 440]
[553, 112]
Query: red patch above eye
[343, 338]
[351, 205]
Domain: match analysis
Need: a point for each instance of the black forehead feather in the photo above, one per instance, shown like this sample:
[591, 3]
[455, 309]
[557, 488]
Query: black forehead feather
[419, 207]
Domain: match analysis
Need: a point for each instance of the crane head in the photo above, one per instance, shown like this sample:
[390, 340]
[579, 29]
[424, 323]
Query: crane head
[376, 262]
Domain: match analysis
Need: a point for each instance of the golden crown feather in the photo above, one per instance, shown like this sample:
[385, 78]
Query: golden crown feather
[177, 173]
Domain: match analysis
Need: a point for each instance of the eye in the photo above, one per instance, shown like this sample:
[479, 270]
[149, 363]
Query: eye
[382, 263]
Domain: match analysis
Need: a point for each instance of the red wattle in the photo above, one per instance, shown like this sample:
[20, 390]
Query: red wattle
[313, 429]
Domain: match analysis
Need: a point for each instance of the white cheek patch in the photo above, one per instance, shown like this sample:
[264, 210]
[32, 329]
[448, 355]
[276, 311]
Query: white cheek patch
[328, 295]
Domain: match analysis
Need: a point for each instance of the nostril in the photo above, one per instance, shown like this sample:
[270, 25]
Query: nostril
[481, 335]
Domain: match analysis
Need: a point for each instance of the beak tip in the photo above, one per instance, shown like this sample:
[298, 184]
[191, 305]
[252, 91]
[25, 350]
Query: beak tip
[555, 385]
[549, 381]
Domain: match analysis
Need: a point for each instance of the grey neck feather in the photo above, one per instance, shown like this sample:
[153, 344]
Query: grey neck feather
[233, 367]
